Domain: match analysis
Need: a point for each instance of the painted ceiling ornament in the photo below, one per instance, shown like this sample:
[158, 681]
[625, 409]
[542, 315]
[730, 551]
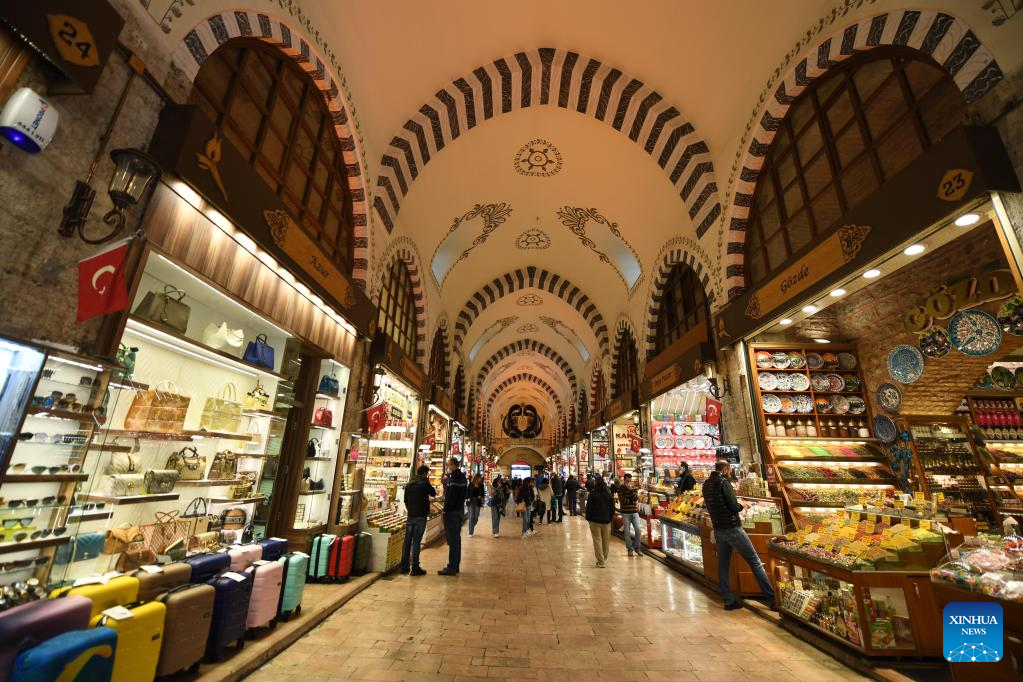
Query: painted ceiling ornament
[522, 421]
[533, 239]
[538, 158]
[625, 261]
[491, 215]
[529, 299]
[528, 328]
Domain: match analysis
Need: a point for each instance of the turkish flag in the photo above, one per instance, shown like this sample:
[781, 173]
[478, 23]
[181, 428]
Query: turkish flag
[635, 443]
[713, 413]
[376, 416]
[101, 283]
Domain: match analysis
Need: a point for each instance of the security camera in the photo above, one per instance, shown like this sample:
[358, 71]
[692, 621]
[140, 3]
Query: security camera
[28, 121]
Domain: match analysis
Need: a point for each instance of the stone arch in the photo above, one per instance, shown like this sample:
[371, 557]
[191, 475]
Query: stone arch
[216, 29]
[623, 324]
[441, 332]
[523, 376]
[528, 454]
[565, 79]
[943, 37]
[529, 278]
[671, 255]
[527, 345]
[598, 387]
[410, 258]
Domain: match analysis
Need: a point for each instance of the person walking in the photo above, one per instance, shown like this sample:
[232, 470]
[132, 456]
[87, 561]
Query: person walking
[723, 508]
[505, 496]
[454, 511]
[516, 486]
[476, 496]
[628, 504]
[524, 499]
[572, 493]
[557, 499]
[418, 492]
[496, 503]
[686, 480]
[543, 500]
[599, 512]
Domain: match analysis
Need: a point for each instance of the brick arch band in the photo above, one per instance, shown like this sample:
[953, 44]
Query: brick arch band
[943, 37]
[523, 376]
[199, 43]
[626, 326]
[564, 79]
[665, 263]
[529, 278]
[527, 345]
[408, 257]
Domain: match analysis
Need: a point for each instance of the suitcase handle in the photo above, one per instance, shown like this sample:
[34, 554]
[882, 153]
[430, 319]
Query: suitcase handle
[163, 597]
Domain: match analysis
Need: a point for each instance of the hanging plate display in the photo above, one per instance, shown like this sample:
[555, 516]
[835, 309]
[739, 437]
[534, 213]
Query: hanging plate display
[680, 429]
[830, 361]
[820, 382]
[771, 403]
[800, 382]
[680, 441]
[852, 384]
[1003, 378]
[905, 364]
[841, 404]
[764, 359]
[780, 360]
[857, 405]
[846, 361]
[1010, 316]
[788, 405]
[814, 360]
[836, 383]
[784, 382]
[934, 342]
[796, 361]
[889, 397]
[885, 429]
[974, 332]
[664, 442]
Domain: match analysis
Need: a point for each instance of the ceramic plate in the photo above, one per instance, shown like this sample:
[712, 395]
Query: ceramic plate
[1010, 316]
[800, 382]
[852, 384]
[689, 443]
[779, 360]
[985, 381]
[763, 359]
[830, 361]
[664, 441]
[884, 428]
[784, 381]
[836, 383]
[804, 404]
[680, 441]
[771, 403]
[974, 332]
[889, 397]
[846, 361]
[796, 361]
[767, 381]
[934, 342]
[680, 429]
[823, 405]
[856, 405]
[841, 404]
[1019, 377]
[1003, 378]
[905, 364]
[788, 405]
[814, 360]
[820, 382]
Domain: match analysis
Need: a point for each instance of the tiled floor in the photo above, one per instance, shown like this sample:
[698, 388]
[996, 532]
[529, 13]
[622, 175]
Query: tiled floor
[539, 609]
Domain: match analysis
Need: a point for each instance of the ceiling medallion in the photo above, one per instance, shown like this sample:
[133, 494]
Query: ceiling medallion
[528, 328]
[529, 299]
[534, 238]
[538, 158]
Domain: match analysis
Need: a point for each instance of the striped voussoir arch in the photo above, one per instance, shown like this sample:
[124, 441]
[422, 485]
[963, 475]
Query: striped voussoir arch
[523, 376]
[418, 296]
[527, 345]
[668, 261]
[529, 278]
[623, 326]
[597, 401]
[199, 43]
[565, 79]
[943, 37]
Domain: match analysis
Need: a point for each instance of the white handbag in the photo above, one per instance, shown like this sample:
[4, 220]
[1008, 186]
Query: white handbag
[220, 337]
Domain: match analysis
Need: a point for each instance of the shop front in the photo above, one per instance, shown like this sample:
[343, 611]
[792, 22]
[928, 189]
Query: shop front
[437, 444]
[626, 440]
[598, 450]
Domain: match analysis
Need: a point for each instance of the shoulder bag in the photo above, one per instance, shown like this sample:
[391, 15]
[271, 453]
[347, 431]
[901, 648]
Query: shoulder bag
[165, 308]
[329, 385]
[222, 412]
[257, 398]
[190, 465]
[160, 481]
[225, 466]
[123, 463]
[312, 448]
[124, 538]
[323, 417]
[197, 508]
[125, 485]
[260, 353]
[221, 336]
[233, 518]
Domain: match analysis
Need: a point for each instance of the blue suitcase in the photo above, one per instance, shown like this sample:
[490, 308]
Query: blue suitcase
[296, 565]
[319, 557]
[273, 548]
[207, 566]
[230, 609]
[76, 656]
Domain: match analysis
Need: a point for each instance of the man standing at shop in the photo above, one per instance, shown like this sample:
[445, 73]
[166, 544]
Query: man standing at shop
[628, 504]
[572, 491]
[723, 507]
[455, 492]
[418, 492]
[557, 512]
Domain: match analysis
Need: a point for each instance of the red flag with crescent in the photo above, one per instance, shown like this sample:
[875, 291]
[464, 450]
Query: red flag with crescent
[101, 283]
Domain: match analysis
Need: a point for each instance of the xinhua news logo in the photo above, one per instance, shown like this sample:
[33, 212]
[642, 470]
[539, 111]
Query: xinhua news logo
[972, 632]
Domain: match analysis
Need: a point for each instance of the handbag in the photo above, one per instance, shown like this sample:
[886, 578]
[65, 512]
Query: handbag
[130, 561]
[166, 530]
[165, 308]
[259, 353]
[124, 538]
[222, 336]
[197, 508]
[82, 547]
[225, 466]
[159, 481]
[257, 398]
[125, 485]
[245, 487]
[190, 465]
[204, 542]
[329, 385]
[233, 518]
[323, 417]
[312, 448]
[161, 409]
[126, 358]
[123, 463]
[520, 507]
[222, 412]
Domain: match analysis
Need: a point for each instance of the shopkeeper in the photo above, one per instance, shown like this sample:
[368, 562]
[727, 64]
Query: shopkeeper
[686, 480]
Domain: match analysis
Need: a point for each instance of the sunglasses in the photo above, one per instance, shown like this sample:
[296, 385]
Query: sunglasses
[10, 524]
[46, 501]
[89, 506]
[39, 469]
[21, 537]
[23, 563]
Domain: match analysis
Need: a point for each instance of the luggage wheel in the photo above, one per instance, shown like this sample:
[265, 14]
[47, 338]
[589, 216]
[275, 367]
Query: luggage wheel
[298, 610]
[241, 642]
[284, 617]
[194, 668]
[273, 624]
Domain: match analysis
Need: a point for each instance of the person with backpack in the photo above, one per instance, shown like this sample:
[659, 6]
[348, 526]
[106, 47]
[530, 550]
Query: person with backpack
[557, 508]
[599, 512]
[418, 492]
[524, 500]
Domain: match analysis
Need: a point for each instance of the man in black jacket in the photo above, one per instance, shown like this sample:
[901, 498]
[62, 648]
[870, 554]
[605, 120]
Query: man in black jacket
[572, 492]
[418, 492]
[557, 499]
[455, 492]
[600, 509]
[723, 508]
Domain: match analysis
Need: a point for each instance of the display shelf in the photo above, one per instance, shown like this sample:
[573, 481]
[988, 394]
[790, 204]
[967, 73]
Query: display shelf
[11, 547]
[67, 415]
[150, 435]
[264, 413]
[220, 435]
[236, 500]
[130, 499]
[208, 483]
[90, 516]
[44, 478]
[327, 396]
[312, 492]
[112, 448]
[319, 459]
[324, 428]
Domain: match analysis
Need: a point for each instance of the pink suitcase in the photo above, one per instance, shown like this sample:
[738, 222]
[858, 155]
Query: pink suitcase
[242, 556]
[266, 593]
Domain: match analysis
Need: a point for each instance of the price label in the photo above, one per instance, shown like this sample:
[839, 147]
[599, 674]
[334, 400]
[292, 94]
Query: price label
[863, 501]
[237, 577]
[91, 580]
[939, 497]
[119, 613]
[925, 524]
[918, 496]
[872, 518]
[844, 549]
[152, 569]
[899, 504]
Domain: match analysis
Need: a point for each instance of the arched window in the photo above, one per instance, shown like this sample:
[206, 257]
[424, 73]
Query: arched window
[850, 131]
[599, 391]
[582, 413]
[439, 359]
[626, 363]
[460, 388]
[683, 306]
[397, 314]
[271, 110]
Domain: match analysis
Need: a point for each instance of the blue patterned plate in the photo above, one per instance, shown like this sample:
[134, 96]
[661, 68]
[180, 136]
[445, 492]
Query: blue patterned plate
[884, 428]
[889, 396]
[974, 332]
[905, 364]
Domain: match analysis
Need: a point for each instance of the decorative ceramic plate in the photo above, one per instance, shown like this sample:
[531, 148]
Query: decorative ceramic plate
[852, 384]
[779, 360]
[688, 443]
[884, 428]
[830, 361]
[841, 404]
[905, 364]
[985, 381]
[974, 332]
[889, 397]
[823, 405]
[1010, 316]
[767, 381]
[784, 381]
[688, 429]
[1019, 377]
[680, 429]
[800, 382]
[1003, 378]
[771, 403]
[788, 405]
[836, 383]
[664, 441]
[804, 404]
[764, 359]
[934, 342]
[663, 430]
[856, 405]
[814, 360]
[796, 361]
[820, 382]
[846, 361]
[680, 441]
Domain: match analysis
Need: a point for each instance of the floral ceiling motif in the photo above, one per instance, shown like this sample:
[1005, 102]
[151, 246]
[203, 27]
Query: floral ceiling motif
[528, 328]
[534, 238]
[538, 158]
[456, 246]
[565, 332]
[529, 299]
[610, 246]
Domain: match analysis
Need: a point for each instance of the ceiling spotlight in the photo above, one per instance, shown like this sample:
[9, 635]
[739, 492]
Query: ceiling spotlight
[809, 309]
[872, 273]
[914, 250]
[967, 219]
[837, 293]
[785, 321]
[822, 340]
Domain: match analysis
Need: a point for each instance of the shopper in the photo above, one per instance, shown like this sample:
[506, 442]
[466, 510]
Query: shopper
[496, 503]
[572, 492]
[628, 504]
[524, 505]
[543, 500]
[589, 482]
[516, 486]
[505, 495]
[686, 480]
[723, 507]
[476, 496]
[455, 492]
[557, 512]
[418, 492]
[599, 512]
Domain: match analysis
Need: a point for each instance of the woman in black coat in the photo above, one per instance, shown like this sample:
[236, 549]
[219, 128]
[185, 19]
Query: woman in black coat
[599, 512]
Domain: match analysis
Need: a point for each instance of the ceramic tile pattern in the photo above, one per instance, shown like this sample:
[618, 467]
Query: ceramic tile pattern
[539, 609]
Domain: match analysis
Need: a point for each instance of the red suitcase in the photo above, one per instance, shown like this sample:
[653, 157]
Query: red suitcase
[30, 624]
[339, 566]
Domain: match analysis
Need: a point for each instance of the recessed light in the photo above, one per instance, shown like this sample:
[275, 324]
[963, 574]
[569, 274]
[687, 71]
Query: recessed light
[838, 292]
[872, 273]
[914, 250]
[809, 309]
[822, 340]
[967, 219]
[785, 321]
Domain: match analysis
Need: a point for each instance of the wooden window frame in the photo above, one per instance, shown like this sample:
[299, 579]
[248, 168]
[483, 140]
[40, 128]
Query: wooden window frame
[396, 315]
[683, 306]
[626, 364]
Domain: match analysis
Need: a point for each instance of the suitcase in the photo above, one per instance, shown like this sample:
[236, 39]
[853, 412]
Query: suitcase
[189, 615]
[78, 656]
[29, 624]
[266, 594]
[342, 552]
[116, 591]
[230, 608]
[320, 556]
[273, 548]
[152, 585]
[206, 566]
[138, 640]
[363, 548]
[242, 556]
[292, 584]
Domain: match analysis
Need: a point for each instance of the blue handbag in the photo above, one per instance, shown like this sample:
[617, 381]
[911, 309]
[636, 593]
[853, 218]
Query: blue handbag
[329, 385]
[82, 547]
[259, 353]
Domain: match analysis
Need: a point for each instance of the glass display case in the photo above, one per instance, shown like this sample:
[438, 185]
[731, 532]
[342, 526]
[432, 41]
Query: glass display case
[438, 429]
[599, 450]
[390, 456]
[323, 450]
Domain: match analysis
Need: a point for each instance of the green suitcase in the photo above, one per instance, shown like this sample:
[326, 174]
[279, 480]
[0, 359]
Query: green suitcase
[363, 545]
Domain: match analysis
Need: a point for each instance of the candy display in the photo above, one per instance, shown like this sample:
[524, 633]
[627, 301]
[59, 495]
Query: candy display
[990, 565]
[835, 474]
[825, 602]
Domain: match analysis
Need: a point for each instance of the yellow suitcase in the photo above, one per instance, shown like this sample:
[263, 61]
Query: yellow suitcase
[138, 640]
[116, 591]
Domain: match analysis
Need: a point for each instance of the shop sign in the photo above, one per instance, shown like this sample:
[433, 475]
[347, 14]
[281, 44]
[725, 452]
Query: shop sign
[620, 405]
[77, 37]
[683, 366]
[443, 401]
[386, 352]
[595, 421]
[965, 294]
